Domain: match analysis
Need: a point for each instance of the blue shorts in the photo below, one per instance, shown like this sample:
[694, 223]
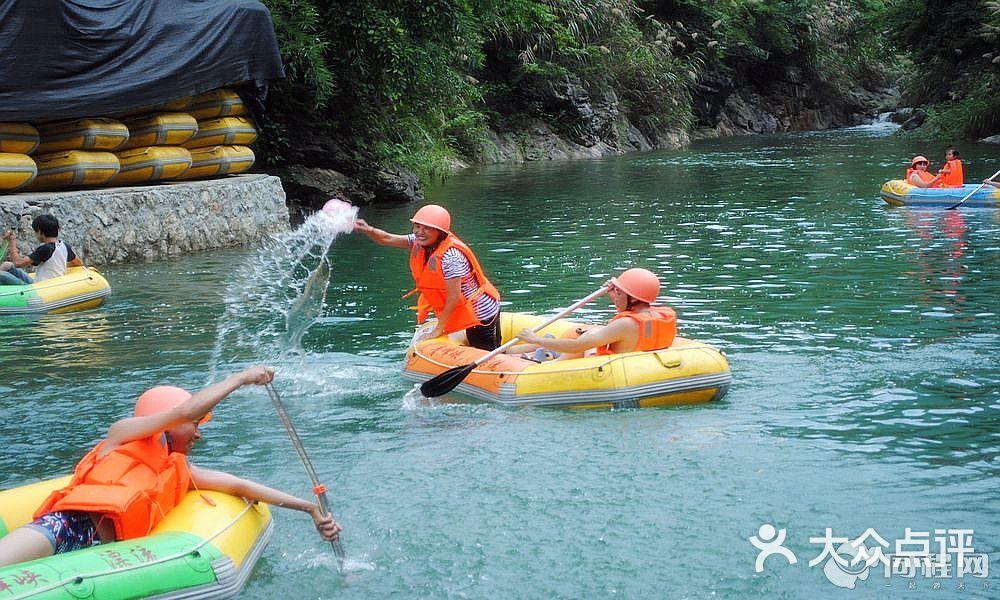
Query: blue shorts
[67, 530]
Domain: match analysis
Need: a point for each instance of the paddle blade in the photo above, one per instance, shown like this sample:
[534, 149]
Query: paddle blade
[439, 385]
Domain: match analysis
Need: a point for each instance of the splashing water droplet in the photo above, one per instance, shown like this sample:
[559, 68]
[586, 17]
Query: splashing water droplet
[277, 294]
[413, 399]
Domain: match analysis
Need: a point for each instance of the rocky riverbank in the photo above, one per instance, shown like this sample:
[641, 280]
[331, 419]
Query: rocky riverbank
[135, 224]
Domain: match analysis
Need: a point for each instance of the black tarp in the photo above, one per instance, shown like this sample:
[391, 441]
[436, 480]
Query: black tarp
[86, 58]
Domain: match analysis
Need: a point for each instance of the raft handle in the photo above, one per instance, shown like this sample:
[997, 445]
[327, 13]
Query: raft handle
[670, 360]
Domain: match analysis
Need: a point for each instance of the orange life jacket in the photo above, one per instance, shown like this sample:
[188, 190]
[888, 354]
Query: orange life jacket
[430, 282]
[657, 329]
[952, 174]
[135, 485]
[925, 175]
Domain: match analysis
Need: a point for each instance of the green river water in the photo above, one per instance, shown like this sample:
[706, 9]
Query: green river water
[863, 341]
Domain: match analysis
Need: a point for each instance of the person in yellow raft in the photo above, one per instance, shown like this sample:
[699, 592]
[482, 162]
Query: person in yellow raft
[638, 325]
[952, 173]
[131, 479]
[918, 174]
[448, 278]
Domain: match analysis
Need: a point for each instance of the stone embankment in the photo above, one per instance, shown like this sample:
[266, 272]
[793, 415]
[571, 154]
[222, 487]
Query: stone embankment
[135, 224]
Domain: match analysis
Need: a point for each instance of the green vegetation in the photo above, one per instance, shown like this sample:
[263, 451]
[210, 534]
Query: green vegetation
[955, 63]
[420, 82]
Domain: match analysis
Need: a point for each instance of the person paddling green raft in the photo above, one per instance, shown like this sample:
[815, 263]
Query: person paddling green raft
[112, 496]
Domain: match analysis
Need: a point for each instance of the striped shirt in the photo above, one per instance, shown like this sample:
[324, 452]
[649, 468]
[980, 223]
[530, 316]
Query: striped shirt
[454, 264]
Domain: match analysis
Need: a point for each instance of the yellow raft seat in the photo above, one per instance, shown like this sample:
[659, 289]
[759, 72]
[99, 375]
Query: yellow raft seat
[76, 168]
[152, 163]
[18, 138]
[225, 131]
[81, 134]
[16, 171]
[688, 372]
[159, 129]
[218, 160]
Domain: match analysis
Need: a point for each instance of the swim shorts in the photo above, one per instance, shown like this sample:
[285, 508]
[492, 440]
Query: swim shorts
[67, 530]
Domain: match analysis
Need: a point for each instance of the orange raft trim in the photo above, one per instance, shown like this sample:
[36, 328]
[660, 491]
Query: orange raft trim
[688, 372]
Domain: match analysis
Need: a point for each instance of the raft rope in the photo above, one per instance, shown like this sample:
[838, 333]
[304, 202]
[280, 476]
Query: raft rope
[182, 554]
[600, 366]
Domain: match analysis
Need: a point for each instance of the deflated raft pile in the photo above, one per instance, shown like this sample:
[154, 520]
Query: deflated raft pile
[195, 137]
[206, 547]
[688, 372]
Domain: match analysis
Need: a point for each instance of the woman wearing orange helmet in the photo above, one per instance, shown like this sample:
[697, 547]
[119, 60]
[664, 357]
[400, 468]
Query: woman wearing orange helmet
[638, 325]
[918, 174]
[124, 486]
[448, 277]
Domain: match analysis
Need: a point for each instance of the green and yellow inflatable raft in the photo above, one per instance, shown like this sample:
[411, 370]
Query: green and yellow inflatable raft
[79, 289]
[206, 547]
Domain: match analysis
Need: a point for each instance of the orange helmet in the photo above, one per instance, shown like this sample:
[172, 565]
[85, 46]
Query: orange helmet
[434, 216]
[918, 159]
[641, 284]
[161, 399]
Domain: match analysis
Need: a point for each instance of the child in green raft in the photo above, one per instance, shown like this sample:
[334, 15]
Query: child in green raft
[50, 259]
[162, 430]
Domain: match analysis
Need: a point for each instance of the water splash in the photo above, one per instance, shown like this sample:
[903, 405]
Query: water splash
[413, 399]
[277, 294]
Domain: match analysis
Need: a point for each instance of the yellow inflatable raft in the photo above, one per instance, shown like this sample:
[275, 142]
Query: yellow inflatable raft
[73, 169]
[217, 103]
[898, 192]
[160, 129]
[206, 547]
[18, 138]
[79, 289]
[16, 170]
[218, 160]
[689, 372]
[152, 163]
[81, 134]
[227, 131]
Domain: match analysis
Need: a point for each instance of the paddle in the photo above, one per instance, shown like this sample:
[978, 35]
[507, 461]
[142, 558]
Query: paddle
[972, 193]
[3, 249]
[440, 385]
[318, 488]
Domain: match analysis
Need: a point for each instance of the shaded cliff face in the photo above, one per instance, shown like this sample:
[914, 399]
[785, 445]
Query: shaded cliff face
[783, 100]
[560, 119]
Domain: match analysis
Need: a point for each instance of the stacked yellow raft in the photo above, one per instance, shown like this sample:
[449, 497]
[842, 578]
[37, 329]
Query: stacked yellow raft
[195, 137]
[206, 547]
[17, 169]
[689, 372]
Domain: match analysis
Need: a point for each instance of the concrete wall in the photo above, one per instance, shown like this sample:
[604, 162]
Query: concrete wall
[133, 224]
